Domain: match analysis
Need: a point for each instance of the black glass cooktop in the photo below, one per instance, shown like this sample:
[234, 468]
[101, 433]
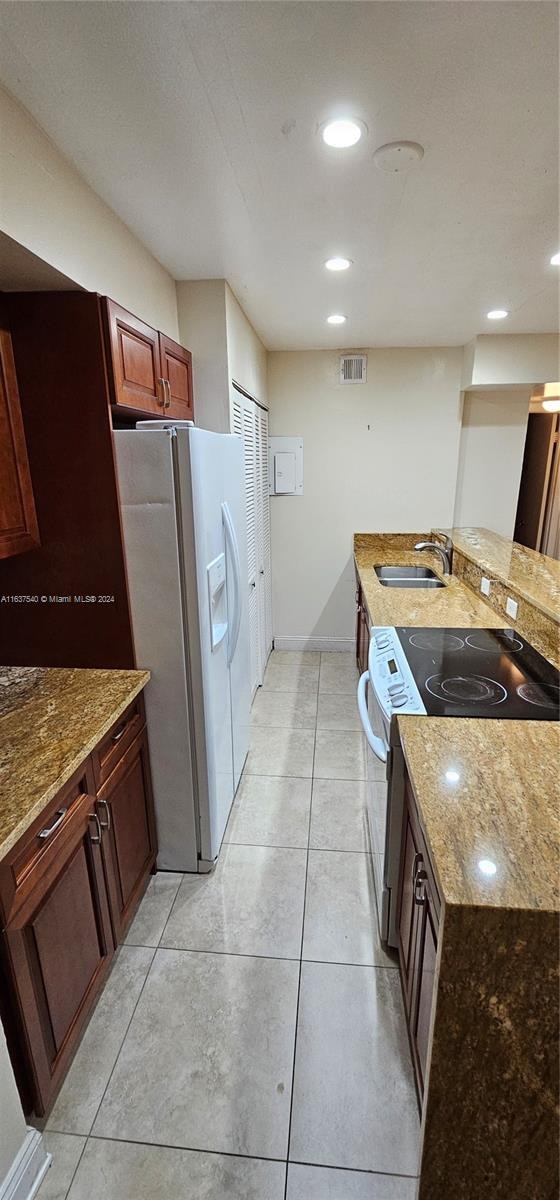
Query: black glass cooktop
[481, 673]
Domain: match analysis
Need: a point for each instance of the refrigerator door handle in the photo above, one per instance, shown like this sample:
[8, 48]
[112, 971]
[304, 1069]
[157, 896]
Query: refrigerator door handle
[234, 550]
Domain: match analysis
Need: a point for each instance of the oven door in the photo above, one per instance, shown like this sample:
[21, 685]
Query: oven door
[377, 762]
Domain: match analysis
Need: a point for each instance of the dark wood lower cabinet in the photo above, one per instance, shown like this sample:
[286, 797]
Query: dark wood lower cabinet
[418, 924]
[125, 810]
[68, 891]
[362, 631]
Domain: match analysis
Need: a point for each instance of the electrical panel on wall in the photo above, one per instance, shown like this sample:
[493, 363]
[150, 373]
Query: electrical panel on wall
[285, 466]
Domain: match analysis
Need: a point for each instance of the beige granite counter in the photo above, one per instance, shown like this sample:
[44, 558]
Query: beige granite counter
[50, 720]
[489, 791]
[452, 606]
[535, 577]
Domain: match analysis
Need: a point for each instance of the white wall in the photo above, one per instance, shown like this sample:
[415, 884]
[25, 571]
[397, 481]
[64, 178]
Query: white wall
[46, 206]
[493, 434]
[379, 456]
[201, 307]
[247, 359]
[224, 347]
[506, 359]
[12, 1125]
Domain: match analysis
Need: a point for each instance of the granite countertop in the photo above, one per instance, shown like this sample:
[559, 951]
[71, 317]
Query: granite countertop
[51, 718]
[488, 792]
[534, 576]
[454, 606]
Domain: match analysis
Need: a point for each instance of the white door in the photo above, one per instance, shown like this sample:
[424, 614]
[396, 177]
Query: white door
[251, 421]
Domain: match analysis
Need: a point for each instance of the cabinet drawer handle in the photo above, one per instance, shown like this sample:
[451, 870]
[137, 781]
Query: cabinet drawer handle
[161, 383]
[167, 392]
[119, 734]
[105, 824]
[419, 888]
[48, 831]
[93, 817]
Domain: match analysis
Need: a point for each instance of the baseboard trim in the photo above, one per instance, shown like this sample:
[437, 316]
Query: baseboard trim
[28, 1169]
[314, 643]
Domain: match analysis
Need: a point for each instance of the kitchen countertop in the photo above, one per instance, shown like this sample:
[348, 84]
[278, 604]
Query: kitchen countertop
[50, 720]
[454, 606]
[534, 576]
[503, 807]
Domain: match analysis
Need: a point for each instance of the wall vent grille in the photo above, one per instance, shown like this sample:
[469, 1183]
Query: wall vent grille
[353, 368]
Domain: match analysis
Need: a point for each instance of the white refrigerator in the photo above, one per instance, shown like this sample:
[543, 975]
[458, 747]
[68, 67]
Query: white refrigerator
[184, 526]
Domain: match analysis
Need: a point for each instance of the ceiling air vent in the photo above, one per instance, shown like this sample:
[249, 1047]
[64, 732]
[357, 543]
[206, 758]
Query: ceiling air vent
[353, 368]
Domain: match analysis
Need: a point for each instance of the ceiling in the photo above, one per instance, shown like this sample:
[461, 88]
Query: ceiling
[197, 123]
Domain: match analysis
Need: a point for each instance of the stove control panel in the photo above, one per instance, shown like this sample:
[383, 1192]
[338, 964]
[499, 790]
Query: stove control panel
[390, 675]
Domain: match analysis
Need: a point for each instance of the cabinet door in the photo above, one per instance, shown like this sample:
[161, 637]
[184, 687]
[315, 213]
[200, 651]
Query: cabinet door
[18, 521]
[264, 581]
[427, 952]
[408, 912]
[125, 810]
[176, 370]
[58, 945]
[136, 371]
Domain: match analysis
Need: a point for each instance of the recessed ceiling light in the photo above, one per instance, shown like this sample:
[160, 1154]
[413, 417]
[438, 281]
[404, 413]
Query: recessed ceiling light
[337, 264]
[555, 260]
[497, 314]
[342, 134]
[551, 405]
[336, 319]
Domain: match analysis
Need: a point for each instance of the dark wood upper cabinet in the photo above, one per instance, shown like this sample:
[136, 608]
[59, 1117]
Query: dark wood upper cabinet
[136, 377]
[176, 370]
[18, 520]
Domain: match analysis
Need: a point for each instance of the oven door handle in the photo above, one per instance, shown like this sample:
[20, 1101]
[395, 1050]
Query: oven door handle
[376, 744]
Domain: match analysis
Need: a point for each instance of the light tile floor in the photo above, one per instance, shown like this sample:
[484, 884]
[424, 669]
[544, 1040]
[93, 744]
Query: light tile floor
[250, 1043]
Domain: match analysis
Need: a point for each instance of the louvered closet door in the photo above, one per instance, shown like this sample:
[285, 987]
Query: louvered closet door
[263, 511]
[247, 416]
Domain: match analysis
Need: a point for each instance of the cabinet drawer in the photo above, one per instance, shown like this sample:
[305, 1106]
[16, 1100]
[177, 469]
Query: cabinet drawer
[116, 742]
[35, 855]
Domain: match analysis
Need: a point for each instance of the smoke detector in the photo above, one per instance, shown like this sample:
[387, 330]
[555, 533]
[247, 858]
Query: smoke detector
[398, 156]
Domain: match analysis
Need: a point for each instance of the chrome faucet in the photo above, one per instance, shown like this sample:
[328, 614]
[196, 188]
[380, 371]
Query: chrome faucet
[445, 552]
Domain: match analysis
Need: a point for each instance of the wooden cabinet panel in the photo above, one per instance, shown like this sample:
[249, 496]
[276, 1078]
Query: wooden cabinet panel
[59, 944]
[418, 922]
[135, 359]
[112, 747]
[176, 370]
[426, 977]
[362, 632]
[18, 521]
[125, 809]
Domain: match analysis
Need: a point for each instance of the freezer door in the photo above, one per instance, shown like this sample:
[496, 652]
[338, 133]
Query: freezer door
[210, 473]
[145, 470]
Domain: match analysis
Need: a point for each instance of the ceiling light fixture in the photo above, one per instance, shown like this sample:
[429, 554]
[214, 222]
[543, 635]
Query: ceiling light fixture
[497, 314]
[338, 264]
[555, 260]
[336, 319]
[342, 134]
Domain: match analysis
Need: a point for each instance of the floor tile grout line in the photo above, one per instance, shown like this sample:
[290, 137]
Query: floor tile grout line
[123, 1039]
[299, 974]
[325, 962]
[75, 1171]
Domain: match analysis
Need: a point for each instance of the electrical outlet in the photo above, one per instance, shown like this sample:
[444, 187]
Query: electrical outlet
[511, 607]
[485, 586]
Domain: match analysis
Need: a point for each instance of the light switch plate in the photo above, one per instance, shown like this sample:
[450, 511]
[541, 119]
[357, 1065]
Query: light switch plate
[511, 607]
[485, 586]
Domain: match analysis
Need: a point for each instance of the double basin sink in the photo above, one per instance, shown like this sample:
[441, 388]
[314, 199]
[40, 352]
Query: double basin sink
[408, 577]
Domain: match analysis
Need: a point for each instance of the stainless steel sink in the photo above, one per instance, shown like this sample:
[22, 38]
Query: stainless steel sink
[408, 577]
[411, 583]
